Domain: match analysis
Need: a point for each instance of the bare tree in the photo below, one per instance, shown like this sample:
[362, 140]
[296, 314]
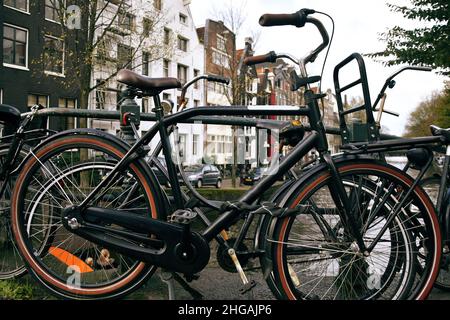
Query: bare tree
[228, 61]
[113, 34]
[233, 16]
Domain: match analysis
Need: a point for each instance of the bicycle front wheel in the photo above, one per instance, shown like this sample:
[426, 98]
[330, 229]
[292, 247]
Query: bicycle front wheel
[315, 256]
[61, 174]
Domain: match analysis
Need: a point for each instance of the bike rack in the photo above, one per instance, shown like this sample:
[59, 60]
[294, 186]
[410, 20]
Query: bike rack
[347, 135]
[219, 120]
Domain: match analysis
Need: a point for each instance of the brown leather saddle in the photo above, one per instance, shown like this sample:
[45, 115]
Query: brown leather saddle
[147, 84]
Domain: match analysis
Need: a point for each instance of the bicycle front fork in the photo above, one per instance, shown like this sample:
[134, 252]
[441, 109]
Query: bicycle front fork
[340, 197]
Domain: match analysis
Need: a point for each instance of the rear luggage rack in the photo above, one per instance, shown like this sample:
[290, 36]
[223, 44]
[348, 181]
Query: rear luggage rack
[357, 132]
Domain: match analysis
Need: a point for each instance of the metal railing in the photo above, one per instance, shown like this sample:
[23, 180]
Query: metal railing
[217, 120]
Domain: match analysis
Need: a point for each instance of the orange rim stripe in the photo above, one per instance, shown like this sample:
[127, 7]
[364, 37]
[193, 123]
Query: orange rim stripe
[70, 260]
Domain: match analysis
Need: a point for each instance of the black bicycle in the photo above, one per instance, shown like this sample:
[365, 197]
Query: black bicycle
[13, 149]
[344, 230]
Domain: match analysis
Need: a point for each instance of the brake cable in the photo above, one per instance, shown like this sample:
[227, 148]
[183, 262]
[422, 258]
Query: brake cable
[326, 57]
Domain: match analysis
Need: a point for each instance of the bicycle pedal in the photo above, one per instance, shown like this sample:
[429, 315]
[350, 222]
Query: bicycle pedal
[248, 287]
[183, 217]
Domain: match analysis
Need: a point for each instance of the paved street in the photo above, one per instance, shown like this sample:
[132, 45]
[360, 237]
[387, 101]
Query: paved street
[216, 284]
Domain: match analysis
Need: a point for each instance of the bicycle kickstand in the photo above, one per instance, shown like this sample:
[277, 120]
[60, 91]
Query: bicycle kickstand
[248, 285]
[167, 278]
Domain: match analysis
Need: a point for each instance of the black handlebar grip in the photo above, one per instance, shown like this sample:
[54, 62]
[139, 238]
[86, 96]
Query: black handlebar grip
[218, 79]
[297, 19]
[269, 57]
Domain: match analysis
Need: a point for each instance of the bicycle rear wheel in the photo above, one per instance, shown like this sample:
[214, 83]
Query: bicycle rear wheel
[315, 257]
[61, 174]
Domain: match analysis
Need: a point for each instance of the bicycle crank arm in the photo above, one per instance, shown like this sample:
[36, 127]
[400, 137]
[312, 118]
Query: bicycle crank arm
[163, 248]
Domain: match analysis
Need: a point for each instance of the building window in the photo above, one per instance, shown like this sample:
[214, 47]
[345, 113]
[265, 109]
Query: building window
[182, 44]
[166, 96]
[195, 139]
[15, 46]
[183, 18]
[124, 56]
[157, 4]
[21, 5]
[34, 99]
[145, 63]
[52, 9]
[145, 105]
[126, 20]
[147, 26]
[182, 146]
[69, 104]
[182, 73]
[104, 48]
[278, 83]
[166, 72]
[53, 55]
[196, 74]
[196, 103]
[221, 43]
[220, 59]
[166, 36]
[100, 95]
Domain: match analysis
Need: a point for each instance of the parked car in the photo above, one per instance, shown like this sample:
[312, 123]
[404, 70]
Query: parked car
[204, 175]
[253, 176]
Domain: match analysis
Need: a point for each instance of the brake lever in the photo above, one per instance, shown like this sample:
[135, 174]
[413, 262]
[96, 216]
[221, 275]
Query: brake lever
[382, 110]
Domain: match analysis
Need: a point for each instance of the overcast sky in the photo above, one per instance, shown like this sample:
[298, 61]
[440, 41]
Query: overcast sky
[357, 26]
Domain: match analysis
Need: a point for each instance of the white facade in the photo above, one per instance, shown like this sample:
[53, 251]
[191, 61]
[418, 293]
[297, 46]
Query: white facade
[176, 25]
[190, 135]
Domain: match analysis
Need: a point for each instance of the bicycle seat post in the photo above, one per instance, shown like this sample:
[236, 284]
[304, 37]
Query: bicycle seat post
[130, 115]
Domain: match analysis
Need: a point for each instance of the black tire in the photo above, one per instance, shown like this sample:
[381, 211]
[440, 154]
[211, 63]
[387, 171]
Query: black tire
[261, 236]
[431, 186]
[119, 275]
[400, 256]
[11, 264]
[199, 184]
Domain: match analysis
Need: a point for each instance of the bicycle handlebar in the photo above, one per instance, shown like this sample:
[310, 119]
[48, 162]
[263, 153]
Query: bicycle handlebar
[325, 39]
[208, 77]
[218, 79]
[269, 57]
[391, 77]
[298, 19]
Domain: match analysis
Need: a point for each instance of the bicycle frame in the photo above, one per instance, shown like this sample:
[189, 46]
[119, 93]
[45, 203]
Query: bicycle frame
[314, 140]
[317, 139]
